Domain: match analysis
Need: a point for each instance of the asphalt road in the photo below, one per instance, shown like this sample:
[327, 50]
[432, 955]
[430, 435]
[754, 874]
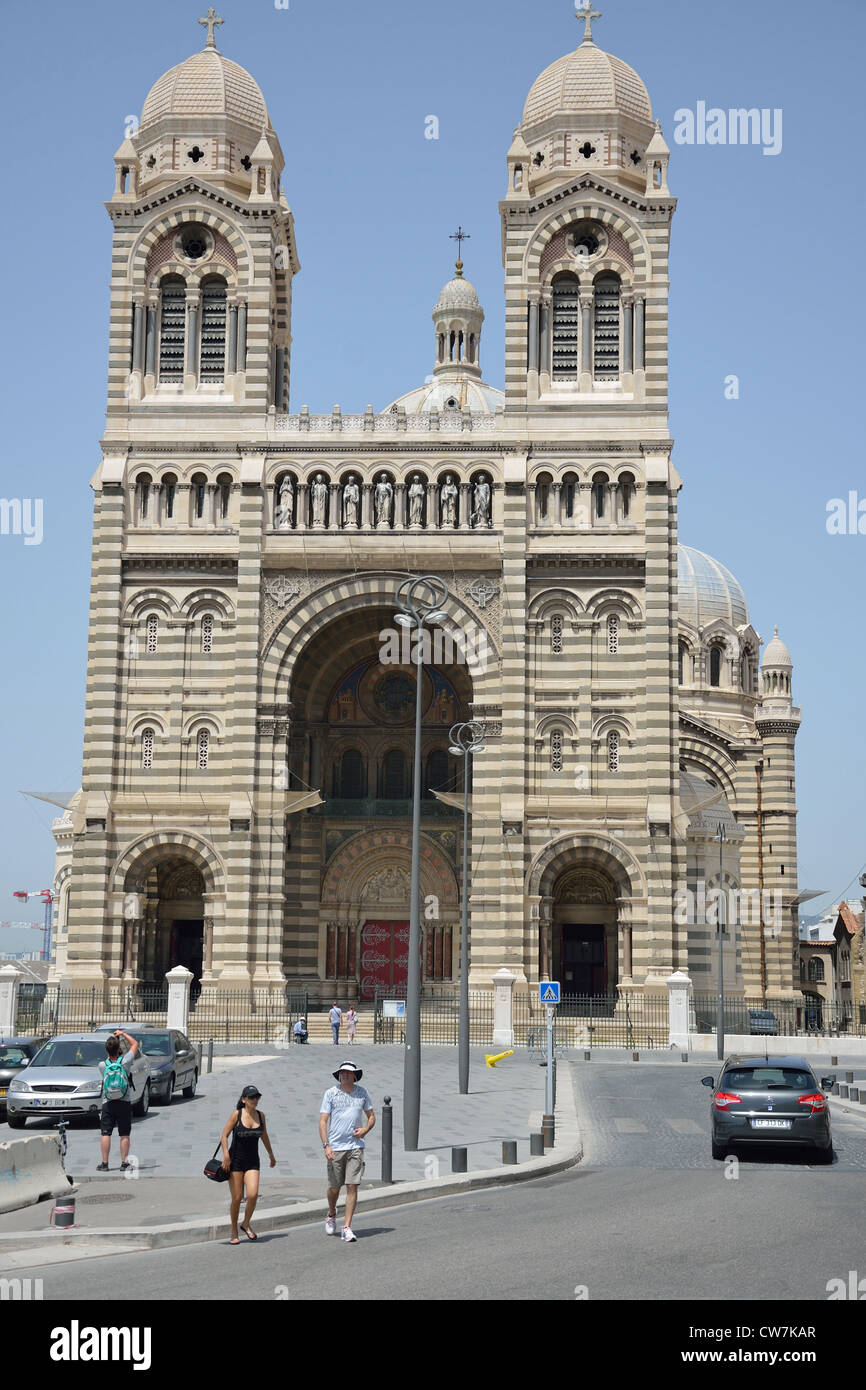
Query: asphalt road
[647, 1216]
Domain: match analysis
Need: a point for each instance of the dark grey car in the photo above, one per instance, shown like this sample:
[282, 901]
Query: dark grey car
[770, 1100]
[15, 1055]
[173, 1059]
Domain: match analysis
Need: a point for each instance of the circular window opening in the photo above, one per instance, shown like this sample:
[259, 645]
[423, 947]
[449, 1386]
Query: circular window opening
[194, 246]
[451, 403]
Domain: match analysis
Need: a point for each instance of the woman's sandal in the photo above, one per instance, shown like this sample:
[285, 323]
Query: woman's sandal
[249, 1235]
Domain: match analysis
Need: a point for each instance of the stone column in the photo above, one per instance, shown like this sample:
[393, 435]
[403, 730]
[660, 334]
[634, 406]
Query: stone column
[10, 979]
[242, 336]
[366, 505]
[532, 349]
[628, 333]
[586, 303]
[150, 345]
[432, 507]
[233, 339]
[178, 980]
[400, 520]
[334, 517]
[679, 1009]
[465, 507]
[639, 306]
[191, 377]
[138, 336]
[503, 1008]
[543, 345]
[557, 504]
[301, 512]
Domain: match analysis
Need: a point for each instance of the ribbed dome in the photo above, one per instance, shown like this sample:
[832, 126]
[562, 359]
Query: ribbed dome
[458, 294]
[207, 84]
[451, 387]
[587, 79]
[708, 591]
[777, 653]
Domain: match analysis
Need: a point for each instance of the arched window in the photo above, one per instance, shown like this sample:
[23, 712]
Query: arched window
[682, 652]
[599, 495]
[816, 969]
[198, 488]
[556, 751]
[147, 748]
[612, 634]
[542, 498]
[394, 776]
[213, 330]
[152, 633]
[352, 775]
[172, 331]
[626, 494]
[613, 751]
[556, 634]
[169, 493]
[437, 772]
[207, 634]
[715, 665]
[224, 486]
[566, 322]
[143, 491]
[203, 745]
[606, 323]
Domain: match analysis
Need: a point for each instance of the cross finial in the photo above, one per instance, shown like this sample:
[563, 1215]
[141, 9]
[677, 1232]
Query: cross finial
[460, 236]
[589, 14]
[212, 19]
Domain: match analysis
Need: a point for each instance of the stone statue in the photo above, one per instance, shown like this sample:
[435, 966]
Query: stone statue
[448, 496]
[481, 503]
[416, 500]
[319, 499]
[351, 502]
[285, 505]
[383, 496]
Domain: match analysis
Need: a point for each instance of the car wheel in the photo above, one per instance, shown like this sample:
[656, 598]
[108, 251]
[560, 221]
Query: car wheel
[189, 1091]
[167, 1094]
[719, 1150]
[16, 1121]
[826, 1155]
[142, 1107]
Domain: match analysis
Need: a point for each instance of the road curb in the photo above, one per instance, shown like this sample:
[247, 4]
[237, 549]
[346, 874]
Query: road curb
[566, 1154]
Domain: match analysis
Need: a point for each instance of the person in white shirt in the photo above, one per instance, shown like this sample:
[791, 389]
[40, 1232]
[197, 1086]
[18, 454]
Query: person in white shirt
[345, 1117]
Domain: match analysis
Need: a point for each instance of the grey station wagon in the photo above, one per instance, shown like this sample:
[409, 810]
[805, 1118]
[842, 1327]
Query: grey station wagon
[770, 1100]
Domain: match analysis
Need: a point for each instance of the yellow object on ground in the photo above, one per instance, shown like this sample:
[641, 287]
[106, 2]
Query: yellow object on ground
[497, 1057]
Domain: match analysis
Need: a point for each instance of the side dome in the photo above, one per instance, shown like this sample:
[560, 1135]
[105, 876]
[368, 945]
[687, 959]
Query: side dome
[587, 80]
[206, 84]
[776, 653]
[457, 294]
[707, 590]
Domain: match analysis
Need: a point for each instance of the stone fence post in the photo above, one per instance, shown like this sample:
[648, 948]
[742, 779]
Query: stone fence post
[679, 1009]
[503, 1008]
[179, 980]
[10, 979]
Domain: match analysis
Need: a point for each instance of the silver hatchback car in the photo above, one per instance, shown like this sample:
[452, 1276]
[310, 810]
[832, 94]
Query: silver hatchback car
[63, 1079]
[770, 1100]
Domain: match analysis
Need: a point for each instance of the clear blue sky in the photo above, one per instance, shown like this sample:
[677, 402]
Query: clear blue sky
[766, 276]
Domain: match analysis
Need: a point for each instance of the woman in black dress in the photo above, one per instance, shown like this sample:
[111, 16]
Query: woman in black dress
[246, 1125]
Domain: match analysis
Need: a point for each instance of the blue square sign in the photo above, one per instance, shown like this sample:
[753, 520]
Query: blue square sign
[548, 991]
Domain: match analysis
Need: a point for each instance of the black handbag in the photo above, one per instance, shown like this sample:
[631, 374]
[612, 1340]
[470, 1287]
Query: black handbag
[214, 1169]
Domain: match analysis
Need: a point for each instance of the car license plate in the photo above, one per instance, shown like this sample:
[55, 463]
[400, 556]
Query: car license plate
[771, 1124]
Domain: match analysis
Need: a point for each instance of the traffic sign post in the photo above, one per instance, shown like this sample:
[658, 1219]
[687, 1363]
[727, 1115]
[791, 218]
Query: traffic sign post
[548, 993]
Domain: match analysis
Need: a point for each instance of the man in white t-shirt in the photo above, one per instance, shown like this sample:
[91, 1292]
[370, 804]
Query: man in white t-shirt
[345, 1117]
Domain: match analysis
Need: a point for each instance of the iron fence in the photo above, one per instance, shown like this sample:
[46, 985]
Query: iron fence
[264, 1015]
[760, 1017]
[439, 1016]
[627, 1019]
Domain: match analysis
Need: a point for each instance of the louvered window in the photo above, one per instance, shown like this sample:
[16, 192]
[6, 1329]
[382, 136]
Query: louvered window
[172, 337]
[566, 321]
[607, 329]
[613, 752]
[213, 331]
[352, 775]
[207, 634]
[613, 634]
[203, 747]
[556, 751]
[152, 632]
[147, 748]
[556, 634]
[715, 665]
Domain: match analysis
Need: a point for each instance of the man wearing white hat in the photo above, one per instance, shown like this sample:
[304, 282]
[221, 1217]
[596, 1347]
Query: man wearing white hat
[346, 1116]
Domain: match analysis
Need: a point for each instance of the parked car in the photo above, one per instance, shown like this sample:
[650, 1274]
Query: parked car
[15, 1055]
[763, 1021]
[769, 1100]
[173, 1059]
[64, 1079]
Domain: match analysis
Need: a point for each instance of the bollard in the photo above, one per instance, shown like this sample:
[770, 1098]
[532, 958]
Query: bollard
[835, 1089]
[834, 1061]
[849, 1077]
[210, 1055]
[548, 1130]
[587, 1056]
[198, 1049]
[854, 1094]
[684, 1056]
[536, 1146]
[459, 1160]
[387, 1139]
[64, 1212]
[635, 1057]
[843, 1091]
[509, 1151]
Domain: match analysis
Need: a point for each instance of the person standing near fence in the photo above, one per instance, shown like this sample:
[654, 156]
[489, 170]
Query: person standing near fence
[335, 1016]
[116, 1105]
[350, 1018]
[345, 1117]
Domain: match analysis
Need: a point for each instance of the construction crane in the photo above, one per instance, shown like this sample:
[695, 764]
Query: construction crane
[47, 897]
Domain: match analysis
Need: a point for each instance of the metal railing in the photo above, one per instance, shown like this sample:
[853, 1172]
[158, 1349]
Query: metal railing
[439, 1017]
[265, 1014]
[626, 1019]
[770, 1017]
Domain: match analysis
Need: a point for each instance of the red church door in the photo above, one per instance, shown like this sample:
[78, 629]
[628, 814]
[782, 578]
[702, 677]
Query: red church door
[384, 957]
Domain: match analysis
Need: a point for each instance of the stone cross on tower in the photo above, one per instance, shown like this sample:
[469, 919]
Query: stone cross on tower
[589, 14]
[212, 19]
[460, 236]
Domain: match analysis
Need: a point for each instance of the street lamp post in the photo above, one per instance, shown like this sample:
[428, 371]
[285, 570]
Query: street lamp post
[721, 835]
[419, 601]
[466, 739]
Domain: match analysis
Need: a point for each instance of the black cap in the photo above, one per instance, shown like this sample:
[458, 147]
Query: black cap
[249, 1091]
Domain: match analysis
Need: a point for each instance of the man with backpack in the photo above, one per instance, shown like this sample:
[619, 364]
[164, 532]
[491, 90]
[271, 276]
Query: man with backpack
[116, 1105]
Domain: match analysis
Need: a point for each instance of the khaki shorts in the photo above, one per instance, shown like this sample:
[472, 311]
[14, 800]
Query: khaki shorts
[347, 1166]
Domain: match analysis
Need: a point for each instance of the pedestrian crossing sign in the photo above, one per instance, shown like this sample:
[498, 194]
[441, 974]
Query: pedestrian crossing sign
[548, 991]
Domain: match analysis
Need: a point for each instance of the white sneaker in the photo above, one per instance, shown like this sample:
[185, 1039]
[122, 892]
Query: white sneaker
[331, 1226]
[348, 1234]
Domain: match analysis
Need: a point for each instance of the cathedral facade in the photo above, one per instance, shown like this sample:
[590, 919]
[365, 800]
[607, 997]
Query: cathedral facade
[249, 735]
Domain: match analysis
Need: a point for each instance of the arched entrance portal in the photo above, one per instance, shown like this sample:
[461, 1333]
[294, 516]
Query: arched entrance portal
[171, 929]
[584, 936]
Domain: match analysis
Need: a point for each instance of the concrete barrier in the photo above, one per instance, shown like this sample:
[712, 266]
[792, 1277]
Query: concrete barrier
[30, 1169]
[752, 1044]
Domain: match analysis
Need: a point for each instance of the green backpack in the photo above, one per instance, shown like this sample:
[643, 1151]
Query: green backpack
[115, 1081]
